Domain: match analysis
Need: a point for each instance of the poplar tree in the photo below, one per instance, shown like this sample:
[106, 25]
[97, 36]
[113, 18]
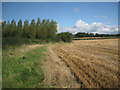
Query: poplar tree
[32, 29]
[38, 28]
[26, 29]
[19, 28]
[12, 28]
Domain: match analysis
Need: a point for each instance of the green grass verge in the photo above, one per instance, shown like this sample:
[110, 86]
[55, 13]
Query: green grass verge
[23, 70]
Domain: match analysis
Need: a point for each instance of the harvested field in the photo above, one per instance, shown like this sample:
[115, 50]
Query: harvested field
[57, 74]
[92, 38]
[94, 62]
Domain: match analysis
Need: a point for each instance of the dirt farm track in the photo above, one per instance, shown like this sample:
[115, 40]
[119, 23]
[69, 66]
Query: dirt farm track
[94, 62]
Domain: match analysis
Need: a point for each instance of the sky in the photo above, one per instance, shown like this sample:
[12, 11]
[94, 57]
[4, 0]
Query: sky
[60, 0]
[95, 17]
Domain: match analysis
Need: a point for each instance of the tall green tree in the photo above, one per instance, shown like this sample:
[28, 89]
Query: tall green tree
[26, 29]
[19, 28]
[46, 29]
[20, 25]
[38, 28]
[3, 25]
[32, 29]
[7, 29]
[38, 21]
[12, 28]
[42, 31]
[52, 29]
[4, 29]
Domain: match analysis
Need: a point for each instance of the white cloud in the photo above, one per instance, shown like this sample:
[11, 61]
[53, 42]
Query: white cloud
[0, 20]
[80, 23]
[76, 9]
[96, 27]
[58, 26]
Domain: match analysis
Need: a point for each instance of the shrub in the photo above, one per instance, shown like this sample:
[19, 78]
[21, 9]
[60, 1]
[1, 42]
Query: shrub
[64, 36]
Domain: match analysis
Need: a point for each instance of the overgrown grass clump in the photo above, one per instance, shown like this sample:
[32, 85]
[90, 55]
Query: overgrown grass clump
[23, 70]
[13, 42]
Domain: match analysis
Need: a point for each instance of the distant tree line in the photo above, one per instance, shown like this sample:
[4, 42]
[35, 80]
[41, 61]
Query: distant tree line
[83, 34]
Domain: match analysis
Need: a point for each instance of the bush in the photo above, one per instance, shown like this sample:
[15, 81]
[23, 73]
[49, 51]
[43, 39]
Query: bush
[64, 36]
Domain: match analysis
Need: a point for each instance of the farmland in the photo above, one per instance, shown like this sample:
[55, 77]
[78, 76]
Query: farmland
[95, 38]
[59, 45]
[93, 62]
[79, 64]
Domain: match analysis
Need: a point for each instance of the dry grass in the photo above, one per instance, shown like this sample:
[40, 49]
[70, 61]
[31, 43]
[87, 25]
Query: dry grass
[57, 74]
[95, 62]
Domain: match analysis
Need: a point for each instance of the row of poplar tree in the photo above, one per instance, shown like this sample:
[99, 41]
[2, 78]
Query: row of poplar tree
[44, 29]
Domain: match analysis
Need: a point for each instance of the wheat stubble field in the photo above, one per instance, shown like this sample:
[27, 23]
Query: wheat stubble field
[94, 62]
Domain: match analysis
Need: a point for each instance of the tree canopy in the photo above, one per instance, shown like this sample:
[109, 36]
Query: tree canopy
[25, 31]
[35, 30]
